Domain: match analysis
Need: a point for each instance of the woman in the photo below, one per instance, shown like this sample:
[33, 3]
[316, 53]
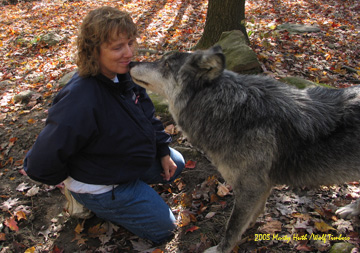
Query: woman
[101, 136]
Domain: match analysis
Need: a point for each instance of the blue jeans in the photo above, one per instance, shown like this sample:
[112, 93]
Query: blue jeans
[136, 206]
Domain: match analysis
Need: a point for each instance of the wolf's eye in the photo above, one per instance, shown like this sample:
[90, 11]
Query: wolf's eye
[167, 65]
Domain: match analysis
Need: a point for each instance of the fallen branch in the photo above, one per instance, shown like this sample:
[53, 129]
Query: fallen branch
[349, 81]
[350, 69]
[148, 51]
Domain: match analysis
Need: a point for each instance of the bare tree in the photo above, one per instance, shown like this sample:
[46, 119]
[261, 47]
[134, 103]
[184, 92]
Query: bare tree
[222, 15]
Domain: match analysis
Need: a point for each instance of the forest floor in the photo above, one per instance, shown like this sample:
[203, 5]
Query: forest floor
[33, 218]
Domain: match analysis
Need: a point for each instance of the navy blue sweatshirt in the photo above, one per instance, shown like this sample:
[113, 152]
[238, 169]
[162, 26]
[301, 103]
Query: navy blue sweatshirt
[98, 132]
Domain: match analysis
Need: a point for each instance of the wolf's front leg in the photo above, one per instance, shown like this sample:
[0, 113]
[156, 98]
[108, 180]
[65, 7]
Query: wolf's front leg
[249, 201]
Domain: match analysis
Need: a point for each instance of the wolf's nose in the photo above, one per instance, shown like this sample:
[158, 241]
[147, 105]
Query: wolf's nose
[133, 64]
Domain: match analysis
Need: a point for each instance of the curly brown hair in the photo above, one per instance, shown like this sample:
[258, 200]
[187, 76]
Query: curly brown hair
[100, 26]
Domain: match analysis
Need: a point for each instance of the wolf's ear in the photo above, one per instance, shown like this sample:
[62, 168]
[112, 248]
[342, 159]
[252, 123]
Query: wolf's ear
[215, 49]
[211, 62]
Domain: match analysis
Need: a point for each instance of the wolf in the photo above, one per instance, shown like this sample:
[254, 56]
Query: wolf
[257, 131]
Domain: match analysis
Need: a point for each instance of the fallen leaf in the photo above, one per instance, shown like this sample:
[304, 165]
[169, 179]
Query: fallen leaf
[12, 141]
[79, 228]
[22, 187]
[104, 238]
[185, 219]
[96, 231]
[8, 204]
[327, 214]
[223, 190]
[210, 215]
[18, 163]
[323, 227]
[25, 209]
[284, 209]
[20, 215]
[342, 226]
[223, 204]
[301, 224]
[140, 245]
[202, 208]
[45, 233]
[352, 196]
[271, 227]
[112, 227]
[33, 191]
[11, 223]
[157, 251]
[30, 250]
[192, 229]
[214, 198]
[190, 164]
[193, 217]
[80, 239]
[2, 237]
[186, 200]
[171, 129]
[31, 121]
[56, 249]
[180, 184]
[304, 247]
[301, 216]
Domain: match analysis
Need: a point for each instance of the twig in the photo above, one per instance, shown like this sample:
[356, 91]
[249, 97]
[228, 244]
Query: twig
[147, 51]
[349, 81]
[350, 69]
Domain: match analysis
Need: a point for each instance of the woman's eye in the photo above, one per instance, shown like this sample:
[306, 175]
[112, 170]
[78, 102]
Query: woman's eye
[117, 47]
[131, 43]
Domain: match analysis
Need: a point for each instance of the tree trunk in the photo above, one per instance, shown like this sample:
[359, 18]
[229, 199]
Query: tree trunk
[222, 16]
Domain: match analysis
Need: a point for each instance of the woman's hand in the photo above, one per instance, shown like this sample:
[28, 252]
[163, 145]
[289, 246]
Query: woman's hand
[169, 167]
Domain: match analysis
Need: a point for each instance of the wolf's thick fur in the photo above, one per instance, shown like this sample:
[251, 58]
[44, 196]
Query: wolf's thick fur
[257, 131]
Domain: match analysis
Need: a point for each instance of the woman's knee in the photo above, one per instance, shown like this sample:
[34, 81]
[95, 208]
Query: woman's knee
[163, 231]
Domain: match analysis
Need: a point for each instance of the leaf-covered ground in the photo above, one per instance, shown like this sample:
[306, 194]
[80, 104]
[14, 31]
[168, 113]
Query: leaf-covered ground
[32, 217]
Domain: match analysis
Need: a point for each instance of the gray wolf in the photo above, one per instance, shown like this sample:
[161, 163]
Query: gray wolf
[257, 131]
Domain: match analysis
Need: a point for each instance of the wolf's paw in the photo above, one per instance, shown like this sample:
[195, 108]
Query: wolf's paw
[350, 210]
[212, 250]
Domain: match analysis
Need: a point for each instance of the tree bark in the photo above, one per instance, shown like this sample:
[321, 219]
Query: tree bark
[222, 16]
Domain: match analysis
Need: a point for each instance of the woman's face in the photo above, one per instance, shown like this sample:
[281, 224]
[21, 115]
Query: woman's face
[116, 55]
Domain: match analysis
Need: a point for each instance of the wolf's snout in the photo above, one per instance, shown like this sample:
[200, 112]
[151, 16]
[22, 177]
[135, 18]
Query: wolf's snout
[133, 64]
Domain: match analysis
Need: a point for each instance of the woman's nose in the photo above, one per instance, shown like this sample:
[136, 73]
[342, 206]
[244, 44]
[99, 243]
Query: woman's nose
[129, 51]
